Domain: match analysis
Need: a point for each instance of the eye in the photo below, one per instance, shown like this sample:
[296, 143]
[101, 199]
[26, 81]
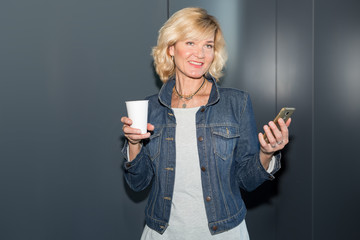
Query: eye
[190, 43]
[209, 46]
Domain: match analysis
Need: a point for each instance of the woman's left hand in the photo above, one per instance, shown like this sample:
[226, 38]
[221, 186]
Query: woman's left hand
[277, 138]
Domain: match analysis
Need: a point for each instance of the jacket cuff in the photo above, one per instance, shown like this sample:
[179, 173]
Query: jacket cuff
[274, 166]
[125, 151]
[269, 173]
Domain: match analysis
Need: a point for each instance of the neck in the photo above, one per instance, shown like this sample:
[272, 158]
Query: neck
[188, 86]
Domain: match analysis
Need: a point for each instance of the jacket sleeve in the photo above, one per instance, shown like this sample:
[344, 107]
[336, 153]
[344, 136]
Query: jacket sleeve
[249, 170]
[139, 172]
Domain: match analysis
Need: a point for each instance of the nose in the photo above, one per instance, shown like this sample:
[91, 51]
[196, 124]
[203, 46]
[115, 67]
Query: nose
[199, 52]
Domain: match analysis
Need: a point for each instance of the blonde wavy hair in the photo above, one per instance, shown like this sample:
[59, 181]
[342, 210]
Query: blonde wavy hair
[188, 23]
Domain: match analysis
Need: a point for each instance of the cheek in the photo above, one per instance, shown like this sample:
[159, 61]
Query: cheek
[210, 57]
[185, 53]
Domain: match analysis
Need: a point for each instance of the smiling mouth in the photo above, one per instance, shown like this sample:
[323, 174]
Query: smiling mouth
[196, 63]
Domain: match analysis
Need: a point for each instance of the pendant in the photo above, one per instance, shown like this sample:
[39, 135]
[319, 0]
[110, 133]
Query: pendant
[184, 105]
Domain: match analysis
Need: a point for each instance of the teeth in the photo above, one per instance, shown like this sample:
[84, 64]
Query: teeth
[196, 63]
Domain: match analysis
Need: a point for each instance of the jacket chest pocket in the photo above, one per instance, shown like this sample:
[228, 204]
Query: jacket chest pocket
[153, 144]
[224, 140]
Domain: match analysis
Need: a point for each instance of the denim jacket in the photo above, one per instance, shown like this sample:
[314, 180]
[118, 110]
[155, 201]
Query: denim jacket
[228, 152]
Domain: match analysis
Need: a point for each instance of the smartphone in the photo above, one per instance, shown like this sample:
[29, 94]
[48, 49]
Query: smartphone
[285, 113]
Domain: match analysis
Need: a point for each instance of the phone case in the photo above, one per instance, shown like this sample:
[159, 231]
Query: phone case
[285, 113]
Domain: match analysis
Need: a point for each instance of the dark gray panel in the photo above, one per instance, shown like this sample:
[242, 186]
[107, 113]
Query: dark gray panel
[295, 89]
[66, 69]
[337, 117]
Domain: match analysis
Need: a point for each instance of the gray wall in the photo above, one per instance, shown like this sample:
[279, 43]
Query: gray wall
[68, 66]
[66, 69]
[336, 187]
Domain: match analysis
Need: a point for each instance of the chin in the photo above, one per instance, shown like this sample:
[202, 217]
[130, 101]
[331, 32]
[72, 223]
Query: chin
[196, 76]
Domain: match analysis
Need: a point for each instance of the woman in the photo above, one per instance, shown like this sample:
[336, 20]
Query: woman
[202, 145]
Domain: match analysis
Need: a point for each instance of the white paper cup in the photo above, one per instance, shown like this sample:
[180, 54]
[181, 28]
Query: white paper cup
[138, 113]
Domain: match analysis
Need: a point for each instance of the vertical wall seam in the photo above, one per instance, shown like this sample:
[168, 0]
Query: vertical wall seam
[313, 122]
[276, 98]
[276, 56]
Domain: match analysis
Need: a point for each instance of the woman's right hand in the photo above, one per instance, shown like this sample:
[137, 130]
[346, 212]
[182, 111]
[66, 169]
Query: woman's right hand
[134, 135]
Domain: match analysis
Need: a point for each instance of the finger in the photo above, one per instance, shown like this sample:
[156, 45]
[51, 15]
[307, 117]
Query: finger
[270, 136]
[150, 127]
[262, 141]
[129, 130]
[126, 120]
[282, 124]
[135, 138]
[288, 122]
[284, 131]
[138, 136]
[278, 135]
[123, 119]
[264, 146]
[274, 128]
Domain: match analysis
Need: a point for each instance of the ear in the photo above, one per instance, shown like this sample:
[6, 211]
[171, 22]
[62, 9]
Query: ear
[171, 50]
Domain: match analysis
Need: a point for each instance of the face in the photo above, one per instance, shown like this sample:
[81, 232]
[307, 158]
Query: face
[192, 58]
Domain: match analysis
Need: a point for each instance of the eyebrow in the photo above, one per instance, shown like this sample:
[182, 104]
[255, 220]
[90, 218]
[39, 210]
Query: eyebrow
[196, 40]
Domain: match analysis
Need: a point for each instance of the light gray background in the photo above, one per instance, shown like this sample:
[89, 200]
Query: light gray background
[66, 68]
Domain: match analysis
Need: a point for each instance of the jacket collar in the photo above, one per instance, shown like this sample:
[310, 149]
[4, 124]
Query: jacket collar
[167, 89]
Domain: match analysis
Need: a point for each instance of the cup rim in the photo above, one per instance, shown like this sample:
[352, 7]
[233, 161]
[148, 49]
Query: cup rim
[136, 101]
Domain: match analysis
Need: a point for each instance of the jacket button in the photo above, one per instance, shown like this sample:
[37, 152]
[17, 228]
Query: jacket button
[200, 139]
[202, 109]
[128, 165]
[214, 228]
[208, 198]
[203, 169]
